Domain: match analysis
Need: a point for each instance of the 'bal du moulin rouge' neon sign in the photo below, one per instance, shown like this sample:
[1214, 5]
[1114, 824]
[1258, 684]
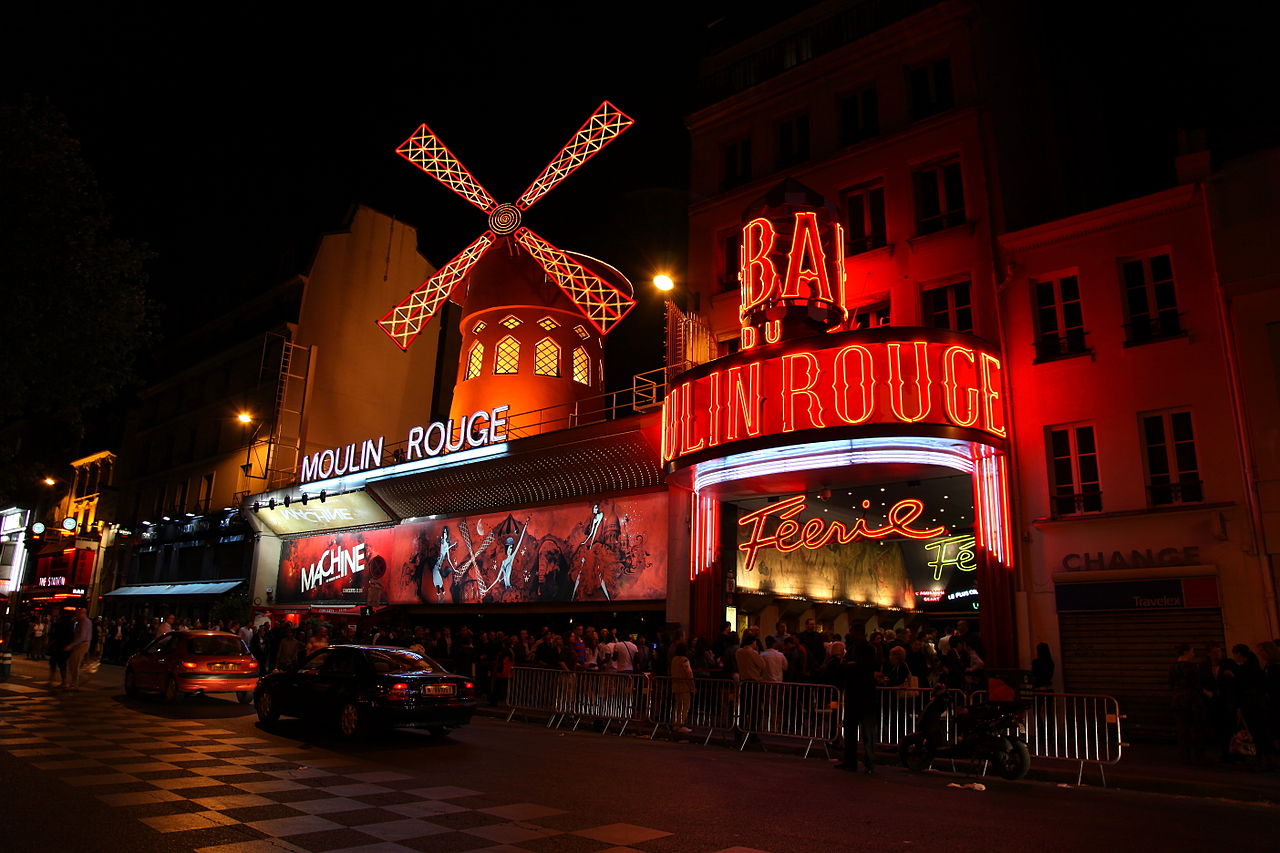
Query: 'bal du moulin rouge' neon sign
[790, 535]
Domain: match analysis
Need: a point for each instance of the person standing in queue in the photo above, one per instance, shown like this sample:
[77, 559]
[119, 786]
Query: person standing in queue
[861, 710]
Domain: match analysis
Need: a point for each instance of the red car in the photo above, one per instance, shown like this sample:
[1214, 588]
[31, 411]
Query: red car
[185, 662]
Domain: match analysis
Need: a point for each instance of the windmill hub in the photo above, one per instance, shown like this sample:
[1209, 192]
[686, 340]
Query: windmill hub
[505, 219]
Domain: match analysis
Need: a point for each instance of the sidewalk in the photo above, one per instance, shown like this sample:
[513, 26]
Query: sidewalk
[1150, 767]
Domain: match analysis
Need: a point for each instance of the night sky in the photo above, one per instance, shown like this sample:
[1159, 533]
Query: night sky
[228, 139]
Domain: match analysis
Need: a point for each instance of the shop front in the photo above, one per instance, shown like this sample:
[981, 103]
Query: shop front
[856, 477]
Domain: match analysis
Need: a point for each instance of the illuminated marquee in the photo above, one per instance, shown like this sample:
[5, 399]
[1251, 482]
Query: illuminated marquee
[790, 535]
[847, 380]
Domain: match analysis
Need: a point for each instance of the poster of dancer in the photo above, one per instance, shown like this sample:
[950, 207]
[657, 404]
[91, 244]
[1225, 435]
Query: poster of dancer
[608, 549]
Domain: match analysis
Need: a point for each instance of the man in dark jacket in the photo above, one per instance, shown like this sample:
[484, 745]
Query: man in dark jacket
[861, 709]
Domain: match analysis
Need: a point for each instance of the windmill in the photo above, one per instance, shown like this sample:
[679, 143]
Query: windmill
[534, 316]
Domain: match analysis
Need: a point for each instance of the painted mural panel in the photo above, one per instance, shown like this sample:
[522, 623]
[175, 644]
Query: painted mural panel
[612, 549]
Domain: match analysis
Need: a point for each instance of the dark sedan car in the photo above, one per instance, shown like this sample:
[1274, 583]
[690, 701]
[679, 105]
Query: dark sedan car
[366, 687]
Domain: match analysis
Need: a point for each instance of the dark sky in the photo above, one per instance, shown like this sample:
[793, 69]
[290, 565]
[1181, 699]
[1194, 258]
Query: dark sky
[228, 141]
[228, 138]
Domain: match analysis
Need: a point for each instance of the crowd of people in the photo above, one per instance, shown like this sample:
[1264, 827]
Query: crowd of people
[1226, 703]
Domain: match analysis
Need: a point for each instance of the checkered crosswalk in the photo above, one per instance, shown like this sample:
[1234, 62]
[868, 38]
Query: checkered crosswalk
[203, 785]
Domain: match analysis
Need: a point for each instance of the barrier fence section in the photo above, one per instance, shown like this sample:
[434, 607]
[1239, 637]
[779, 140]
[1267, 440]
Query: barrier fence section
[699, 703]
[809, 712]
[1059, 726]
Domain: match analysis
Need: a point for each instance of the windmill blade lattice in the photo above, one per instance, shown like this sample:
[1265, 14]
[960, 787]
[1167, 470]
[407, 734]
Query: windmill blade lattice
[405, 321]
[596, 132]
[602, 303]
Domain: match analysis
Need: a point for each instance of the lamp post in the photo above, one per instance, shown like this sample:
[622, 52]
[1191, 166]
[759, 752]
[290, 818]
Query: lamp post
[247, 468]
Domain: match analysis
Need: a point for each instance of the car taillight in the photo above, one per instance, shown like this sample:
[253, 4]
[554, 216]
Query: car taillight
[399, 691]
[253, 664]
[190, 664]
[468, 688]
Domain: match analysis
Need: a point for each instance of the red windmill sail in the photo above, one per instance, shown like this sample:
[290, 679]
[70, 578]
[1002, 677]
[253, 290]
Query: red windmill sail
[599, 301]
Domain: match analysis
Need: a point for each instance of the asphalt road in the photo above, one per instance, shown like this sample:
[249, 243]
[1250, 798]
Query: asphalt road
[92, 771]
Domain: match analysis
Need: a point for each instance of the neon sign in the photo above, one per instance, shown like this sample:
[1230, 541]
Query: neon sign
[792, 262]
[848, 380]
[790, 535]
[954, 551]
[476, 430]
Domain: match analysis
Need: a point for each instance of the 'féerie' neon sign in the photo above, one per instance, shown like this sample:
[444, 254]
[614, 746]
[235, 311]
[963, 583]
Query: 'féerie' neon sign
[791, 535]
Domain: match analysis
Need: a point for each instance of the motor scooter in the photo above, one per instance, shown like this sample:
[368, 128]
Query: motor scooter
[987, 732]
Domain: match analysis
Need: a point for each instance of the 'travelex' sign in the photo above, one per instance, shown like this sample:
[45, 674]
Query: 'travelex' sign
[352, 509]
[475, 430]
[859, 380]
[607, 550]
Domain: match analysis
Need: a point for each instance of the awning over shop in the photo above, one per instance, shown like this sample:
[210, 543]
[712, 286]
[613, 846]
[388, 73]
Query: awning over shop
[211, 588]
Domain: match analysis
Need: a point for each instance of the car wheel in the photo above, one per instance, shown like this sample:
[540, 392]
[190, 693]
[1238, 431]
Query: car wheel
[350, 720]
[172, 694]
[243, 696]
[130, 684]
[266, 707]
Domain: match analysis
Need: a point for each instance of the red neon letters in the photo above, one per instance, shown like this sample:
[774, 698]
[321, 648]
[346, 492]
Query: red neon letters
[790, 535]
[845, 380]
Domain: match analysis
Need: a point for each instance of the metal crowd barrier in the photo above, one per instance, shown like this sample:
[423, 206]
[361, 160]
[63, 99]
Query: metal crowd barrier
[710, 703]
[1058, 726]
[809, 712]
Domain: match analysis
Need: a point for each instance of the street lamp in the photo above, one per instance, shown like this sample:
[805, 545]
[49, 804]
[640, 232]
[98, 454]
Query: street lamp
[663, 282]
[246, 418]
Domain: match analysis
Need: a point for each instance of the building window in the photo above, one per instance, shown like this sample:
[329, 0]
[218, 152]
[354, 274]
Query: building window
[793, 142]
[929, 87]
[1173, 475]
[1075, 485]
[1151, 304]
[479, 327]
[939, 193]
[547, 324]
[546, 358]
[582, 332]
[859, 116]
[730, 259]
[949, 307]
[871, 316]
[510, 321]
[736, 165]
[864, 220]
[475, 359]
[507, 359]
[581, 366]
[1059, 318]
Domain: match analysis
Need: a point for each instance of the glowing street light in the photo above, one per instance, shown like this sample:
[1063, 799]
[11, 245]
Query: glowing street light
[663, 282]
[49, 481]
[244, 417]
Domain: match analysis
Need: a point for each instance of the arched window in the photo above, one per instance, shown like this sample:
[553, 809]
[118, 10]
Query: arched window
[507, 359]
[546, 358]
[581, 366]
[475, 358]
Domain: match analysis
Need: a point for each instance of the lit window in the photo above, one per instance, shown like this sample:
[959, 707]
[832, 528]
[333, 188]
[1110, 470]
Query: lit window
[508, 357]
[949, 307]
[1172, 470]
[479, 327]
[581, 366]
[547, 324]
[1150, 301]
[871, 316]
[1073, 468]
[546, 358]
[582, 333]
[1059, 318]
[510, 321]
[475, 358]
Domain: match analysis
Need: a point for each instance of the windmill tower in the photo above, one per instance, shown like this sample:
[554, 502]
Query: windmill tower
[534, 316]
